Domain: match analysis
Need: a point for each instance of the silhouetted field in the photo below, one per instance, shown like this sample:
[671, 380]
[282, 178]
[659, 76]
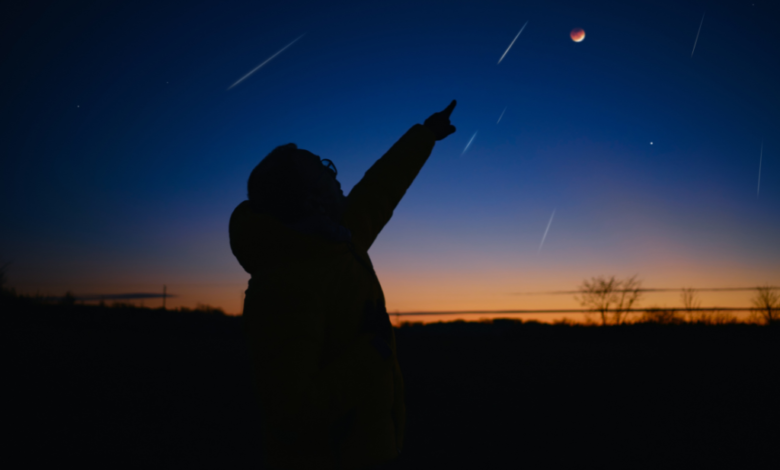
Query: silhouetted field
[102, 387]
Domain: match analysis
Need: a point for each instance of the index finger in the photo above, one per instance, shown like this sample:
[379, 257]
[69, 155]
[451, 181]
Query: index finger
[449, 108]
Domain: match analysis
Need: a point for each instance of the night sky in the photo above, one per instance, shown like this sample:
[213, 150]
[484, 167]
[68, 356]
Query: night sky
[124, 153]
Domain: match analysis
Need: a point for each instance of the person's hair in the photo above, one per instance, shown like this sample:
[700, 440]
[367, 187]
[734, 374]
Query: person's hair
[277, 186]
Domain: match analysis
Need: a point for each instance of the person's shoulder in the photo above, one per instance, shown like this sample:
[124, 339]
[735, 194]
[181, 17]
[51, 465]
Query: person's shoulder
[246, 210]
[243, 217]
[244, 206]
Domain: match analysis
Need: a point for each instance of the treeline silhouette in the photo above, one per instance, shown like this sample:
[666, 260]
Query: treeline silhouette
[611, 299]
[26, 309]
[96, 385]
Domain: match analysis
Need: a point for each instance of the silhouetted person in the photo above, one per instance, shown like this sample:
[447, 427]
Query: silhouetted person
[323, 349]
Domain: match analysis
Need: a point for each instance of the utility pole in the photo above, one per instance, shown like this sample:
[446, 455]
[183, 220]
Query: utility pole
[164, 295]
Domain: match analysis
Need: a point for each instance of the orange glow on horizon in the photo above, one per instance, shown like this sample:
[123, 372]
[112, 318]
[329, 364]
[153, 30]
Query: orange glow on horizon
[479, 281]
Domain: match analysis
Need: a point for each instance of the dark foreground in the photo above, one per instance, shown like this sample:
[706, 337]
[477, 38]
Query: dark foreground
[129, 387]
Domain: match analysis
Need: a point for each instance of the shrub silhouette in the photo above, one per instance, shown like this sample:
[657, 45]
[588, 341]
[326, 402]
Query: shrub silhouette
[710, 317]
[206, 308]
[662, 316]
[68, 299]
[721, 318]
[203, 310]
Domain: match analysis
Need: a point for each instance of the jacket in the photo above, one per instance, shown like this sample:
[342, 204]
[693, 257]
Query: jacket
[322, 347]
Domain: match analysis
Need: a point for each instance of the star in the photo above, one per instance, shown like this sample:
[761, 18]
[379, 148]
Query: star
[77, 106]
[651, 143]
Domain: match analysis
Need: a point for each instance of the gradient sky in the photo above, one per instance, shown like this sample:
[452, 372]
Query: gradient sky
[124, 153]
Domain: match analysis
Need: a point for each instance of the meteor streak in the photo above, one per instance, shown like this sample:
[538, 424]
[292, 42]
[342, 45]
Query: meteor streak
[697, 34]
[510, 44]
[502, 115]
[266, 61]
[467, 145]
[545, 231]
[760, 157]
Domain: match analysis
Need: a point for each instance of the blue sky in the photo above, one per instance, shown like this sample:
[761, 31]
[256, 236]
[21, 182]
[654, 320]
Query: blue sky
[124, 153]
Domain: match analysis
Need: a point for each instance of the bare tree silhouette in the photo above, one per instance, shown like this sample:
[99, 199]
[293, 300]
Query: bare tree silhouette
[691, 302]
[597, 295]
[629, 294]
[610, 297]
[709, 317]
[767, 305]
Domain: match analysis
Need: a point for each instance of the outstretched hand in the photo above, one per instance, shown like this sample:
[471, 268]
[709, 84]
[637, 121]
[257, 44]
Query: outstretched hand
[439, 122]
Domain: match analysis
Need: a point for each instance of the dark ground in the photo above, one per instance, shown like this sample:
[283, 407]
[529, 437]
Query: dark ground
[102, 388]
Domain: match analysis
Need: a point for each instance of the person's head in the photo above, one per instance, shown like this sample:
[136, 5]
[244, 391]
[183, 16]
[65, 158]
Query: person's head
[291, 183]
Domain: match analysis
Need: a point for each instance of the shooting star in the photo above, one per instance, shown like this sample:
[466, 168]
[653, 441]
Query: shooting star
[266, 61]
[510, 44]
[467, 145]
[760, 157]
[697, 34]
[502, 115]
[545, 231]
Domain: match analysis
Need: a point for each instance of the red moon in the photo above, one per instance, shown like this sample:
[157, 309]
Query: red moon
[577, 34]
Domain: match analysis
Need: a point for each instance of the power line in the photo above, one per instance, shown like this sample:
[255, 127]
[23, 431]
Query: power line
[715, 289]
[651, 309]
